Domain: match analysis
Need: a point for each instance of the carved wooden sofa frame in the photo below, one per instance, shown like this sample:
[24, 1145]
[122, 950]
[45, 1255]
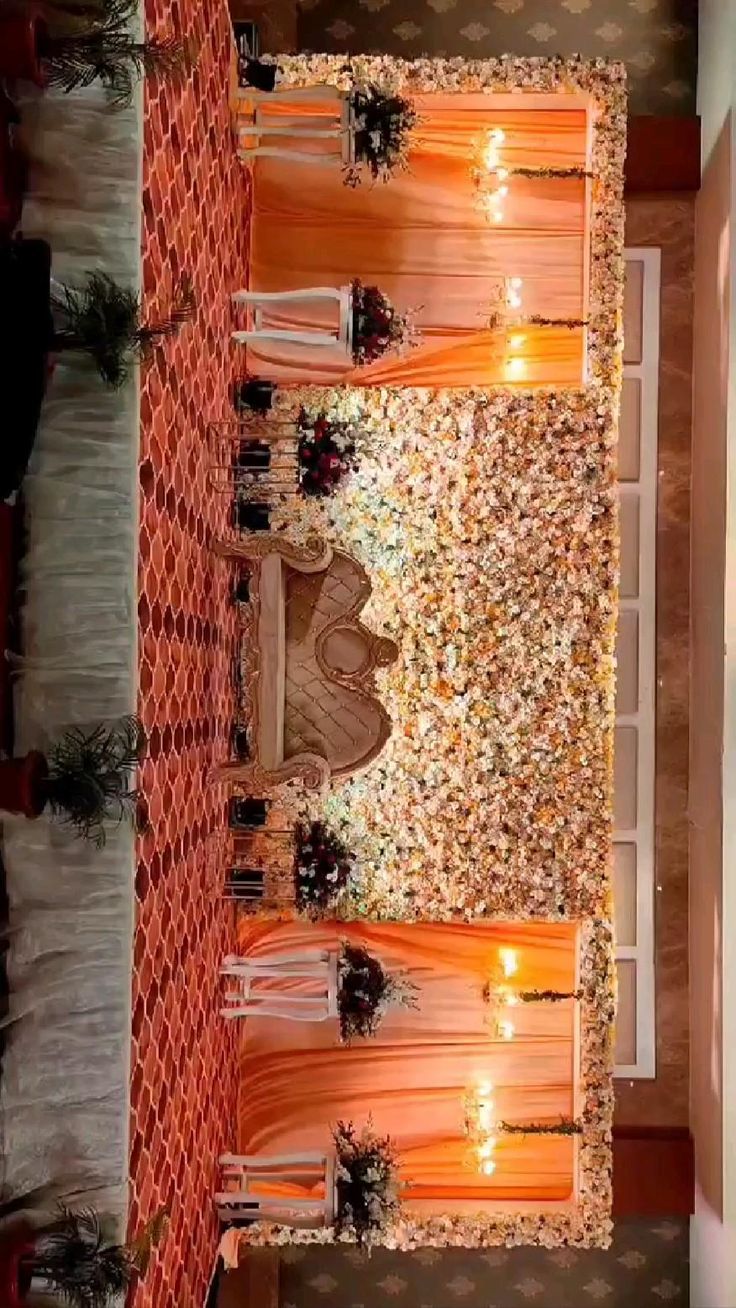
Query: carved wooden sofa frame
[346, 655]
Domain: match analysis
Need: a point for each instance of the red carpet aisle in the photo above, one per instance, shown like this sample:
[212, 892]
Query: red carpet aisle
[195, 221]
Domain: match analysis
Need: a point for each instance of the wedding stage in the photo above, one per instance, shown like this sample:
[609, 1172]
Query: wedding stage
[376, 610]
[472, 477]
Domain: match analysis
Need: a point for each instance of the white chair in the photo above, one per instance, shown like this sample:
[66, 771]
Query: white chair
[341, 336]
[240, 1199]
[244, 998]
[339, 129]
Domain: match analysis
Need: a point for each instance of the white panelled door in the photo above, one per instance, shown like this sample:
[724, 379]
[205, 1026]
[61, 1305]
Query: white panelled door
[634, 858]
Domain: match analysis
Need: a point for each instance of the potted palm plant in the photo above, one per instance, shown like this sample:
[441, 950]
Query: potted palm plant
[74, 1262]
[85, 781]
[103, 320]
[78, 45]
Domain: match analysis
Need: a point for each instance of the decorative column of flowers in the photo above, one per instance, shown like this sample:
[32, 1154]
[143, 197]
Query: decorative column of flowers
[367, 1184]
[366, 992]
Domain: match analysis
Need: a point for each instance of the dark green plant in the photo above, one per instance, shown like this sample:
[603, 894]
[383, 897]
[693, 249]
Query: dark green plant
[564, 1126]
[103, 320]
[95, 40]
[91, 777]
[548, 996]
[82, 1268]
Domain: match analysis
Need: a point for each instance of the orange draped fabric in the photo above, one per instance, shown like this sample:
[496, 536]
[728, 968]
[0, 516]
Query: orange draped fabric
[421, 238]
[297, 1081]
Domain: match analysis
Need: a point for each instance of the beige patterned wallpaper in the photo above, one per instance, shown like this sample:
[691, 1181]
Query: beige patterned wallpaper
[656, 38]
[647, 1266]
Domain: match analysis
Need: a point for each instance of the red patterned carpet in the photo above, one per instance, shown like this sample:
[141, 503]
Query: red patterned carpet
[195, 221]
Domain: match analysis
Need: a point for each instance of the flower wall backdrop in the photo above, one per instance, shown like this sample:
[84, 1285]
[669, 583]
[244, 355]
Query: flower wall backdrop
[487, 521]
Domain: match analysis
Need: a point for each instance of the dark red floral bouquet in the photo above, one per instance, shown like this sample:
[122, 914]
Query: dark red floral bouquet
[377, 327]
[326, 453]
[366, 991]
[381, 124]
[323, 866]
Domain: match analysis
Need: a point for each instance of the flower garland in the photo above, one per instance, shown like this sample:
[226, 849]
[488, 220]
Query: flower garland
[488, 523]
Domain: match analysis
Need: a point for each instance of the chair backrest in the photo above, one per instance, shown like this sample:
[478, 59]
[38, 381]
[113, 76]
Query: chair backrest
[331, 707]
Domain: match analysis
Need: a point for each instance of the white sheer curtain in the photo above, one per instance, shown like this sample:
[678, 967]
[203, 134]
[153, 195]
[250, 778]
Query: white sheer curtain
[64, 1088]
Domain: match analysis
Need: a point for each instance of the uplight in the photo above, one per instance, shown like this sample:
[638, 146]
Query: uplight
[509, 961]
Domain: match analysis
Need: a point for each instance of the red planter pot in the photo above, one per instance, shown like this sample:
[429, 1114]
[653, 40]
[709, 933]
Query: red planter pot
[19, 41]
[21, 785]
[15, 1276]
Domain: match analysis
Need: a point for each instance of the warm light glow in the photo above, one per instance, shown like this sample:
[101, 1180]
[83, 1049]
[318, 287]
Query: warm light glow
[509, 961]
[485, 1089]
[516, 282]
[502, 173]
[510, 999]
[506, 1030]
[516, 342]
[484, 1115]
[487, 1147]
[498, 135]
[488, 1167]
[498, 217]
[516, 367]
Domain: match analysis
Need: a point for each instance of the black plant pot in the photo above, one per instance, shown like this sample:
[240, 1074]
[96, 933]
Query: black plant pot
[246, 882]
[241, 591]
[256, 73]
[241, 748]
[247, 814]
[25, 341]
[254, 456]
[254, 394]
[251, 515]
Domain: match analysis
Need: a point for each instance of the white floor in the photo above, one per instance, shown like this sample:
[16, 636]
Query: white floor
[64, 1090]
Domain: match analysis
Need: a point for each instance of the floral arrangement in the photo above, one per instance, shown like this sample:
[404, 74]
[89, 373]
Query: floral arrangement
[323, 866]
[464, 505]
[368, 1185]
[377, 327]
[382, 124]
[326, 453]
[366, 992]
